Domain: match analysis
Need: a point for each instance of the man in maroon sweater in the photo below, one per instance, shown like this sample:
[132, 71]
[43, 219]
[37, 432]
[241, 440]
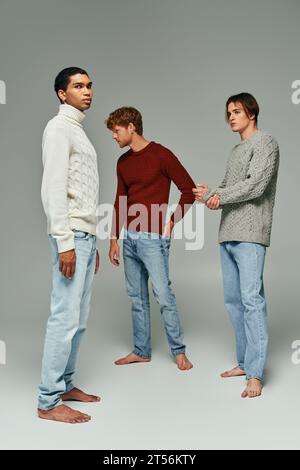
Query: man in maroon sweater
[145, 173]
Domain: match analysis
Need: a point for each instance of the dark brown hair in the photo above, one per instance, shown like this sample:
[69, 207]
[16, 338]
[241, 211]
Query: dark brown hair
[248, 103]
[123, 117]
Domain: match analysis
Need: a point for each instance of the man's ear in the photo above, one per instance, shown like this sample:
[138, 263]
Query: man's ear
[131, 128]
[62, 95]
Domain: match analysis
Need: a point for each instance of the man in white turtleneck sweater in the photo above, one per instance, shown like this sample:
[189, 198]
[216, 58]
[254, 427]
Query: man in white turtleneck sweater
[70, 198]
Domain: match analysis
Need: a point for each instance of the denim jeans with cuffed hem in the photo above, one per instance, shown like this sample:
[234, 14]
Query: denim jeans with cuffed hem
[243, 266]
[146, 255]
[70, 306]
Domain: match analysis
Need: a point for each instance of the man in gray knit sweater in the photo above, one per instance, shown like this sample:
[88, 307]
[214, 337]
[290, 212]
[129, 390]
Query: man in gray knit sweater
[246, 197]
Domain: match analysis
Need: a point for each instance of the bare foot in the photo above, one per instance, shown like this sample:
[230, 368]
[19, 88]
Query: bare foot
[253, 389]
[235, 372]
[78, 395]
[182, 362]
[65, 414]
[130, 359]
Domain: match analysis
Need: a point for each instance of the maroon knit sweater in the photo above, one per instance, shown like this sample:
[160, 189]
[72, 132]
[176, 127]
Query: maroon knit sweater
[144, 178]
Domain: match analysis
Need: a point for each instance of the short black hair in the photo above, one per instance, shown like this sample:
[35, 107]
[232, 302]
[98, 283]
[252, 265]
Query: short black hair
[62, 79]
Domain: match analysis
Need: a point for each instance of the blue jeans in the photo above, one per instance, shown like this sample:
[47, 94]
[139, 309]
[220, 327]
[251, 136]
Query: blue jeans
[146, 255]
[70, 305]
[242, 266]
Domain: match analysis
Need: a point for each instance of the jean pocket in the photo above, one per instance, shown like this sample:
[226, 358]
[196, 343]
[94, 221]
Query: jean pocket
[166, 241]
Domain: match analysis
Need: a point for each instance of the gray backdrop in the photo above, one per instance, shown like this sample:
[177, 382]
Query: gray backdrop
[176, 61]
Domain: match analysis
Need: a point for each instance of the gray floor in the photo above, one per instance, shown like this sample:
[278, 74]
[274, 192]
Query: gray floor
[155, 406]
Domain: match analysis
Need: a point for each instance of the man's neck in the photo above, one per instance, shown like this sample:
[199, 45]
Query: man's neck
[138, 143]
[75, 107]
[248, 132]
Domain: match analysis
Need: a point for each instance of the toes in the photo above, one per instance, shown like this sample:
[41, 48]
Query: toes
[255, 393]
[95, 398]
[82, 419]
[184, 366]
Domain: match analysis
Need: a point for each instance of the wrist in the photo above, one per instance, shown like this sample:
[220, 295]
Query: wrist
[67, 251]
[206, 195]
[171, 223]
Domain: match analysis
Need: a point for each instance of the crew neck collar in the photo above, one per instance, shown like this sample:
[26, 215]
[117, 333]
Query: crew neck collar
[252, 136]
[145, 149]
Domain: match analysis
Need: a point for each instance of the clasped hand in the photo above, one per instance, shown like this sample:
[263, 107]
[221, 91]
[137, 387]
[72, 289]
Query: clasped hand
[212, 203]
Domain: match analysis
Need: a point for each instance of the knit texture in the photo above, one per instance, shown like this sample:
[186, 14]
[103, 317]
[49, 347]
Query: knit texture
[247, 193]
[144, 178]
[70, 179]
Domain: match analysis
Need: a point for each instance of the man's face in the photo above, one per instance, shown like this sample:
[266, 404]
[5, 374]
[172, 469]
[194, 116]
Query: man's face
[237, 117]
[123, 135]
[79, 92]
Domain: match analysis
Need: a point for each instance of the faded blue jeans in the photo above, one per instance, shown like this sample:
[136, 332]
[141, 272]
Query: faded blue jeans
[146, 255]
[242, 266]
[70, 305]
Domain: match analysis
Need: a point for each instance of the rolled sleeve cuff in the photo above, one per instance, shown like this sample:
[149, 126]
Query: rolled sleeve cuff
[208, 193]
[65, 243]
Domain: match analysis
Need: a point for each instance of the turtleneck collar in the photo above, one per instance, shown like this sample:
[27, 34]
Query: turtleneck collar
[71, 112]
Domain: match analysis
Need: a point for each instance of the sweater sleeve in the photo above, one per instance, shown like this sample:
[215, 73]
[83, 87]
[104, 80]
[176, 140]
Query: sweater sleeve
[209, 192]
[224, 181]
[120, 206]
[173, 169]
[263, 165]
[56, 152]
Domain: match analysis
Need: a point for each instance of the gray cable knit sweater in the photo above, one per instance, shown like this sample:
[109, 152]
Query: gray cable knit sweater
[247, 193]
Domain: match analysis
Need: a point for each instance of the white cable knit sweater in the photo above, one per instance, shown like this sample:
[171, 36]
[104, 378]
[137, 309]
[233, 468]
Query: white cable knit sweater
[70, 180]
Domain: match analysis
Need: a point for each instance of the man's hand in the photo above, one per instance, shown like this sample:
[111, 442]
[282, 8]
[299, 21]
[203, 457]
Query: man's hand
[97, 262]
[114, 252]
[213, 202]
[67, 263]
[199, 191]
[167, 231]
